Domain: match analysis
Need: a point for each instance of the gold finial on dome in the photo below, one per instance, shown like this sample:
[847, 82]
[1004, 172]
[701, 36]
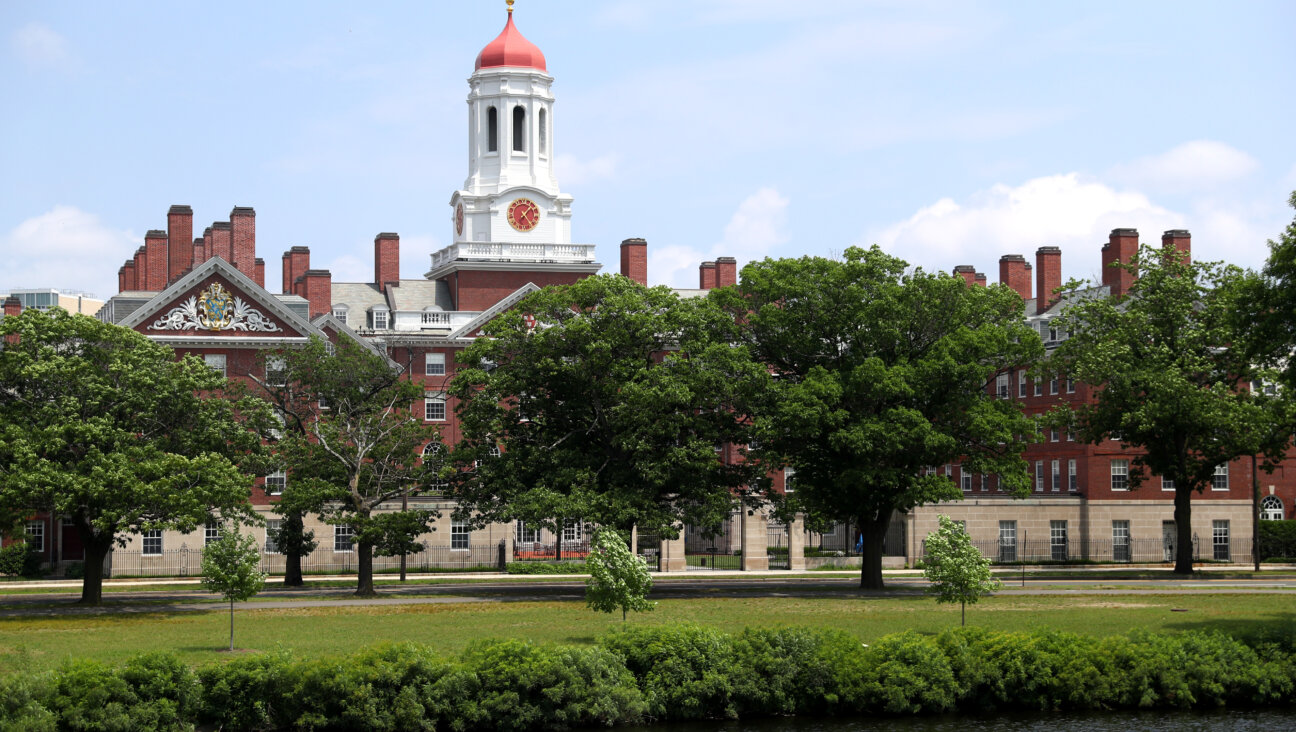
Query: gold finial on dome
[510, 5]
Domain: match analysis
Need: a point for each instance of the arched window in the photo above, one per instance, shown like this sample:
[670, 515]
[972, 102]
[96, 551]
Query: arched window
[544, 135]
[1271, 508]
[492, 130]
[434, 453]
[519, 128]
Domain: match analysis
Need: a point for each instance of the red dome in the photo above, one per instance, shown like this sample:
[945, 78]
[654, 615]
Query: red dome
[510, 49]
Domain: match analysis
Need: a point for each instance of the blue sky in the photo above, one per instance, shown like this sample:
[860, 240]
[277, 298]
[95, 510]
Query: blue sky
[948, 132]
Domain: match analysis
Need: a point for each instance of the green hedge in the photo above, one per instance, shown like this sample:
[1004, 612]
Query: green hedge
[1277, 539]
[20, 560]
[540, 567]
[645, 674]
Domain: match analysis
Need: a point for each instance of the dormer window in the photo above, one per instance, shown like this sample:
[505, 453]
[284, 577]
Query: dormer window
[340, 312]
[519, 128]
[380, 314]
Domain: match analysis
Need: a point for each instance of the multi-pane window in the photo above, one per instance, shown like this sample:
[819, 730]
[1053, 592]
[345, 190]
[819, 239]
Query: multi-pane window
[1070, 436]
[434, 364]
[1058, 540]
[1001, 386]
[151, 545]
[276, 370]
[527, 535]
[1053, 435]
[211, 532]
[789, 478]
[965, 480]
[1021, 383]
[272, 534]
[573, 532]
[1053, 385]
[434, 407]
[1120, 541]
[1220, 539]
[985, 483]
[1007, 541]
[215, 362]
[36, 535]
[1039, 387]
[1070, 385]
[1073, 482]
[1039, 476]
[1219, 482]
[342, 536]
[949, 470]
[276, 482]
[1271, 508]
[458, 534]
[434, 453]
[1120, 475]
[1057, 476]
[340, 312]
[380, 319]
[1167, 484]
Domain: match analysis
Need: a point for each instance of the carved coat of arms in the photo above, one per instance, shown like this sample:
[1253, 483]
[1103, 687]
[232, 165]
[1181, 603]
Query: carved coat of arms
[215, 309]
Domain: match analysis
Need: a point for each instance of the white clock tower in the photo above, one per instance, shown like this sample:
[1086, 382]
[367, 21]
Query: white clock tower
[511, 194]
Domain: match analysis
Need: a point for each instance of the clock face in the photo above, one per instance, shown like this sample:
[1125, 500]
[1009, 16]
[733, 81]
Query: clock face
[459, 219]
[523, 214]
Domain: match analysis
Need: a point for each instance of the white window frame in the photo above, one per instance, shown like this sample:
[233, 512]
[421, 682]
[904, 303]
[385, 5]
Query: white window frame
[965, 480]
[1120, 474]
[1039, 476]
[1220, 539]
[985, 483]
[1007, 541]
[460, 535]
[1271, 509]
[789, 475]
[1039, 387]
[1053, 386]
[1121, 540]
[524, 535]
[216, 362]
[1058, 539]
[1057, 476]
[344, 537]
[1001, 386]
[35, 533]
[151, 540]
[1053, 435]
[381, 318]
[272, 525]
[573, 532]
[1021, 384]
[340, 312]
[434, 364]
[1073, 481]
[276, 370]
[276, 482]
[211, 532]
[1220, 481]
[1070, 385]
[1167, 484]
[434, 407]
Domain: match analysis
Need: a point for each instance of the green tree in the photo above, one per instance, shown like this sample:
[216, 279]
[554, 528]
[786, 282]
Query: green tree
[352, 445]
[229, 568]
[618, 579]
[958, 572]
[1267, 311]
[294, 541]
[1173, 374]
[880, 373]
[111, 431]
[609, 407]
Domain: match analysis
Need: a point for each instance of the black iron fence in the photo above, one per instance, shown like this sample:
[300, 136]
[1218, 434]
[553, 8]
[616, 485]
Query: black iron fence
[713, 548]
[187, 561]
[844, 541]
[1134, 551]
[650, 551]
[536, 551]
[776, 549]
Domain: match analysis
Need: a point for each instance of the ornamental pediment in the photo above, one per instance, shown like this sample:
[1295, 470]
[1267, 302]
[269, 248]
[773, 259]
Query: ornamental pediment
[216, 307]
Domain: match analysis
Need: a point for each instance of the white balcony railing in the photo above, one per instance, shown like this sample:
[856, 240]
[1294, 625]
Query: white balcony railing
[513, 252]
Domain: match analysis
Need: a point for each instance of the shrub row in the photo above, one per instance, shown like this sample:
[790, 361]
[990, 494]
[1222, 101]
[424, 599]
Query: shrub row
[658, 674]
[1277, 539]
[541, 567]
[20, 560]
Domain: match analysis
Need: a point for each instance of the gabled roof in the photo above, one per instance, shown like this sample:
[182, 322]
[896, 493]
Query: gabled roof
[489, 314]
[328, 322]
[165, 303]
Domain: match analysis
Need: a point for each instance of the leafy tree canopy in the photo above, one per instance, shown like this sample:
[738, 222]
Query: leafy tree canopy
[958, 572]
[101, 426]
[881, 372]
[618, 579]
[229, 568]
[611, 408]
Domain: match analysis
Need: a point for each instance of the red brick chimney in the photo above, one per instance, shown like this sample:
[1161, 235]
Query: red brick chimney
[121, 279]
[222, 241]
[155, 252]
[243, 244]
[199, 255]
[1048, 277]
[1121, 246]
[1181, 240]
[386, 260]
[295, 261]
[317, 287]
[128, 279]
[179, 234]
[967, 272]
[707, 276]
[1015, 272]
[980, 280]
[141, 269]
[12, 309]
[634, 260]
[259, 269]
[726, 271]
[206, 246]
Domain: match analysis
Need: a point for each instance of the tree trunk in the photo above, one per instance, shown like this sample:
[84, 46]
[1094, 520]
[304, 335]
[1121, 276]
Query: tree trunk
[364, 569]
[963, 613]
[231, 624]
[293, 570]
[1183, 527]
[872, 531]
[96, 550]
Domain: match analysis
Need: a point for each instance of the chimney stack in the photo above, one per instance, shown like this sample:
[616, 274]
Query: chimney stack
[259, 269]
[243, 240]
[726, 271]
[707, 276]
[155, 252]
[295, 262]
[980, 279]
[128, 282]
[1015, 272]
[1048, 277]
[967, 272]
[141, 270]
[1181, 240]
[179, 235]
[199, 255]
[634, 260]
[121, 279]
[317, 288]
[12, 306]
[222, 241]
[1121, 246]
[386, 260]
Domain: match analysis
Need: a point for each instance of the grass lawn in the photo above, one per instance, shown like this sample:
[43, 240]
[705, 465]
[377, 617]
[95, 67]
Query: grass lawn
[36, 643]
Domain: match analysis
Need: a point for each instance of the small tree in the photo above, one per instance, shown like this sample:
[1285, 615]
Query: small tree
[618, 579]
[958, 572]
[229, 567]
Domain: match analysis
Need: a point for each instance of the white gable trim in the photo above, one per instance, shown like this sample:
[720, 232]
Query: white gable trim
[487, 315]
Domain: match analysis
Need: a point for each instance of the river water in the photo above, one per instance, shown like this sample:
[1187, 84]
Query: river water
[1232, 721]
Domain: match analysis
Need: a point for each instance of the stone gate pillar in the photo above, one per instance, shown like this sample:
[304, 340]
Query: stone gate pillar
[672, 554]
[796, 544]
[755, 540]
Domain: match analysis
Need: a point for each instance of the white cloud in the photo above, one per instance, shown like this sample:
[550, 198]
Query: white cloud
[757, 226]
[66, 248]
[38, 46]
[1192, 166]
[1056, 210]
[574, 171]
